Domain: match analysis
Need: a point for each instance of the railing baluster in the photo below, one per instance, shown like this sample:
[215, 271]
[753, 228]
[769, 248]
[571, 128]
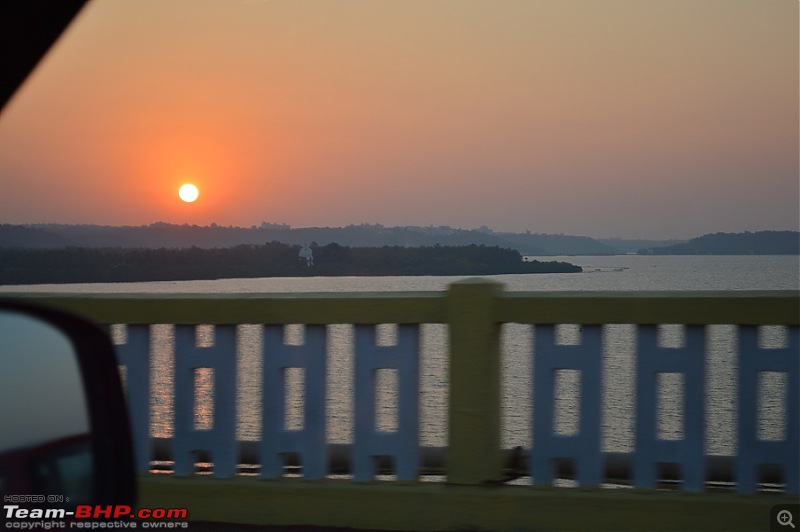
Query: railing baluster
[584, 447]
[135, 356]
[309, 442]
[221, 439]
[650, 450]
[751, 451]
[402, 445]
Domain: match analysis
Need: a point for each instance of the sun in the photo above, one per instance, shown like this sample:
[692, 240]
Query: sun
[188, 193]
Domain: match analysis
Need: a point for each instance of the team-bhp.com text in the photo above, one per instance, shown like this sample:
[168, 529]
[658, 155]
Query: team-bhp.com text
[93, 517]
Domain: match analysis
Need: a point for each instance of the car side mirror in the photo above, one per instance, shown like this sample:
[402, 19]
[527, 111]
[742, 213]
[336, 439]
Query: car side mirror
[64, 433]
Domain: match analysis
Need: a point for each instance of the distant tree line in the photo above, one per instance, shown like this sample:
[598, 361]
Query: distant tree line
[274, 259]
[755, 243]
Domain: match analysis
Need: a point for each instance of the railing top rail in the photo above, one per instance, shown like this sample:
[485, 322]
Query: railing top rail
[656, 294]
[774, 307]
[229, 309]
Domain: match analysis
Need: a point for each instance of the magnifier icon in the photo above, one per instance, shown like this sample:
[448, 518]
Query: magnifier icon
[785, 518]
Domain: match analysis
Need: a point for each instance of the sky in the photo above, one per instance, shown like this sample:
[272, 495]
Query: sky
[613, 118]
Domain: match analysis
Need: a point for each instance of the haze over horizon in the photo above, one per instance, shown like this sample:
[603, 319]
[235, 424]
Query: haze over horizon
[659, 119]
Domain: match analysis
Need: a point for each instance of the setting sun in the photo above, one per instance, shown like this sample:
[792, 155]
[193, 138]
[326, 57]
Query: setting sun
[188, 193]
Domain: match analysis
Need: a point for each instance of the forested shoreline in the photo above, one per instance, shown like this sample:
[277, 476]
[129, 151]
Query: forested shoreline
[274, 259]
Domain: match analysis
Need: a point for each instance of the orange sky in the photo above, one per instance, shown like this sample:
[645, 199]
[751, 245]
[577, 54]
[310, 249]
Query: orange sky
[636, 118]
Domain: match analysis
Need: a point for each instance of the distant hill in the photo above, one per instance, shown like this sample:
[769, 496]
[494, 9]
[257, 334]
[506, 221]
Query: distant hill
[757, 243]
[164, 235]
[633, 245]
[20, 236]
[544, 244]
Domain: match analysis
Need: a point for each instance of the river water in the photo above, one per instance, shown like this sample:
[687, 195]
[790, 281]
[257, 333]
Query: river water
[615, 273]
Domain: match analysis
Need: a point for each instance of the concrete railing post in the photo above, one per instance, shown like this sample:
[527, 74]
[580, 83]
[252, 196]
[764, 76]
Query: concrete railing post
[474, 454]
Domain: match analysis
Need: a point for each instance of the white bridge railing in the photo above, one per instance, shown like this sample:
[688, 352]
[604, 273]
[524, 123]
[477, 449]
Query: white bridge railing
[473, 312]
